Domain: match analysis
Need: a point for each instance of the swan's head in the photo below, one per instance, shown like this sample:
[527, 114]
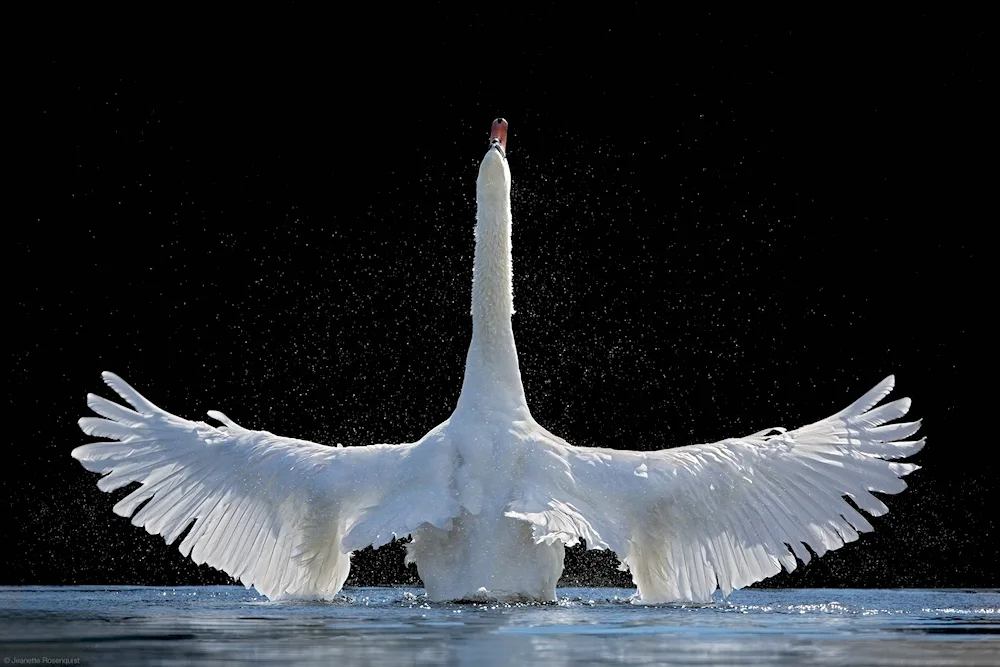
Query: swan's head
[494, 174]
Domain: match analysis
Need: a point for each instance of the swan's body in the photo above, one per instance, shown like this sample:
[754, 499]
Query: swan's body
[489, 496]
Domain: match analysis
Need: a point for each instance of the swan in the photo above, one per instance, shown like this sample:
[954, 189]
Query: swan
[490, 497]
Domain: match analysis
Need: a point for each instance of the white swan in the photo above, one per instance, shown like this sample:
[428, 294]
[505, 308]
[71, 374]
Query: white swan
[489, 496]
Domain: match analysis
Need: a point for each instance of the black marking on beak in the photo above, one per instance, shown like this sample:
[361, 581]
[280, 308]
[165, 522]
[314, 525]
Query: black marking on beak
[495, 144]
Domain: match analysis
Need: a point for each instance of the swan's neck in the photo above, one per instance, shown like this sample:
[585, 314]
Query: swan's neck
[492, 376]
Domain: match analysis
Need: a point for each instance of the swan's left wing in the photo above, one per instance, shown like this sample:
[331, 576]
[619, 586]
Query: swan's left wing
[277, 513]
[689, 520]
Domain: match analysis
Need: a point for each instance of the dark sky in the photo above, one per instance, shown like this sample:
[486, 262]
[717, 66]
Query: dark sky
[719, 228]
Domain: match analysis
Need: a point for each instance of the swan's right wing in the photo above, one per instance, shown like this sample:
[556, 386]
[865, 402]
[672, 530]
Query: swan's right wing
[277, 513]
[689, 520]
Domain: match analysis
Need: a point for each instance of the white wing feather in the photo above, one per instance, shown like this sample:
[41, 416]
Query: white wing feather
[277, 513]
[689, 520]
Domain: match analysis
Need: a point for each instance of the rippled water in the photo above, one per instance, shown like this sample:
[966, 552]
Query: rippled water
[386, 626]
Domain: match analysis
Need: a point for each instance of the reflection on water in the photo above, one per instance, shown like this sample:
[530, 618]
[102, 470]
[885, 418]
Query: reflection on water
[385, 626]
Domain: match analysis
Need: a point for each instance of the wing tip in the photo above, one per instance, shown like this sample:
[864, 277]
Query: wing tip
[870, 399]
[128, 392]
[903, 469]
[86, 425]
[885, 387]
[116, 383]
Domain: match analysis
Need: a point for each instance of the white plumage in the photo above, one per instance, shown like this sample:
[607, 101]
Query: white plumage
[489, 496]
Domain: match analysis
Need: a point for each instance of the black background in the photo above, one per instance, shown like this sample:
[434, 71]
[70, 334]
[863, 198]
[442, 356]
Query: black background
[721, 225]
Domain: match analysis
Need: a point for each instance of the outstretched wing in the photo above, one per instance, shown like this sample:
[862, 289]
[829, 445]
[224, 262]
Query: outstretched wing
[276, 513]
[689, 520]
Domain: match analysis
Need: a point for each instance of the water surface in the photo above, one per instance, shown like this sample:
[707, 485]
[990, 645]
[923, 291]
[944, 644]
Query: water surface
[223, 625]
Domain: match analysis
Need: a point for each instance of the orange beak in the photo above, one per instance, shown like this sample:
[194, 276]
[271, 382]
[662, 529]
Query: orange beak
[498, 134]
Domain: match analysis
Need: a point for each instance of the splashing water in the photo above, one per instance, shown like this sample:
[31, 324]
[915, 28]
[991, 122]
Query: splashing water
[385, 626]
